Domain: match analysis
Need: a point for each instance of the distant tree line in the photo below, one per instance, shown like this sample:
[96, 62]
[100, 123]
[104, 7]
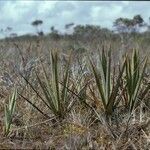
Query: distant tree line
[121, 26]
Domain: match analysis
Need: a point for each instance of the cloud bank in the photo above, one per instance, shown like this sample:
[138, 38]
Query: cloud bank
[20, 14]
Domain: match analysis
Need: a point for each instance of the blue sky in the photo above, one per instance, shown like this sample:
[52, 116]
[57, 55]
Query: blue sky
[20, 14]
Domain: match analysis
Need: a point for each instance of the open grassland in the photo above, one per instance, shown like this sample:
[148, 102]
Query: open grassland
[63, 94]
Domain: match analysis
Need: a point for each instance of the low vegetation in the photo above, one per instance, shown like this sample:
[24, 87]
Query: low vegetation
[79, 91]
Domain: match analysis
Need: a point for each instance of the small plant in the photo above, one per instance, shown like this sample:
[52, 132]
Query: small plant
[105, 82]
[55, 88]
[9, 112]
[56, 94]
[134, 72]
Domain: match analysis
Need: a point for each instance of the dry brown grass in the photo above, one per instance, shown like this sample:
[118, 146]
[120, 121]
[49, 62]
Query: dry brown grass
[81, 128]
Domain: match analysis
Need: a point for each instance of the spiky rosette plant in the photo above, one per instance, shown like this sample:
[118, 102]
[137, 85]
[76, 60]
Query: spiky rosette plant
[134, 71]
[106, 82]
[54, 85]
[9, 112]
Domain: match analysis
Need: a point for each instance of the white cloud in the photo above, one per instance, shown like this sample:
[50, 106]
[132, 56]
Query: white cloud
[20, 14]
[46, 6]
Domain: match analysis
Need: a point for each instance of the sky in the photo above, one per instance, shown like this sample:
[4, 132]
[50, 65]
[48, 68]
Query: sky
[19, 14]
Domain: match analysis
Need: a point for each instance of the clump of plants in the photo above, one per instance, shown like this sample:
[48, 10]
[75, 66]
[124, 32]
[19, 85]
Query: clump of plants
[116, 86]
[9, 112]
[134, 75]
[107, 83]
[55, 87]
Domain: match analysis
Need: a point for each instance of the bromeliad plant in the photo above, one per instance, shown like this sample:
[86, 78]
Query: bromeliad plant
[134, 71]
[105, 82]
[55, 87]
[55, 91]
[9, 112]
